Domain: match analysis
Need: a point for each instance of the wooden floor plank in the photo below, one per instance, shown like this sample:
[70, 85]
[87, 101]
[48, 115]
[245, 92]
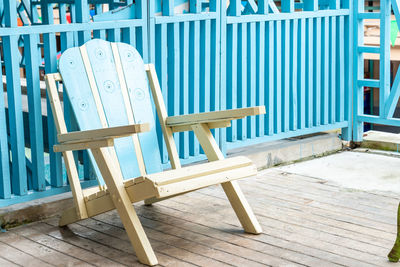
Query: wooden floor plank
[332, 218]
[347, 197]
[38, 233]
[255, 256]
[110, 223]
[103, 245]
[285, 231]
[306, 221]
[331, 202]
[43, 253]
[11, 255]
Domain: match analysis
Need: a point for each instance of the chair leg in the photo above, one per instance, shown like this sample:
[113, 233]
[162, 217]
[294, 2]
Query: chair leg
[241, 207]
[126, 211]
[394, 255]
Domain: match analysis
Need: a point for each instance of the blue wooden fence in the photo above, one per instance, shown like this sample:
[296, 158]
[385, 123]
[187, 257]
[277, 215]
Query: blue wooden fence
[294, 59]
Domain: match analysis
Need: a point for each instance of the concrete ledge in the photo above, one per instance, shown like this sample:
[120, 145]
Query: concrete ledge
[381, 141]
[264, 155]
[34, 210]
[289, 150]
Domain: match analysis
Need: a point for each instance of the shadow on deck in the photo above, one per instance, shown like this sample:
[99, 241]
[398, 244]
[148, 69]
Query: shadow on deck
[307, 220]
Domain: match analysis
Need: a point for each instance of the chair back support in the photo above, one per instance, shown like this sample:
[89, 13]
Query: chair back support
[107, 86]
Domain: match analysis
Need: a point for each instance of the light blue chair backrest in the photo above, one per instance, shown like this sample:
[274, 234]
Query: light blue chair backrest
[97, 64]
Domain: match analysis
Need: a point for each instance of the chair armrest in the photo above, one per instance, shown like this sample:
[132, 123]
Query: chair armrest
[98, 138]
[105, 133]
[215, 116]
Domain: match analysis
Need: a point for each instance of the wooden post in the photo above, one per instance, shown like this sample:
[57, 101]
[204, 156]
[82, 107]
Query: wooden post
[310, 5]
[11, 59]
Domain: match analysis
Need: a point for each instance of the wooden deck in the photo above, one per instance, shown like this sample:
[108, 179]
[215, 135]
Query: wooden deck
[306, 221]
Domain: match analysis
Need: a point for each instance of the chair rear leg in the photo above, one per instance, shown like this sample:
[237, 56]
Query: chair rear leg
[126, 211]
[241, 207]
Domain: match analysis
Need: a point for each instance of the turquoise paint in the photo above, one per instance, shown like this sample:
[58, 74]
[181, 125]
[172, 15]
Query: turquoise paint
[298, 64]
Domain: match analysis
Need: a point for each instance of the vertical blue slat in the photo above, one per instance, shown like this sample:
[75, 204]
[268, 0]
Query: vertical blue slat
[317, 72]
[184, 85]
[251, 78]
[50, 58]
[222, 77]
[194, 80]
[294, 71]
[278, 78]
[332, 86]
[325, 38]
[340, 71]
[384, 63]
[358, 70]
[5, 185]
[242, 78]
[302, 75]
[82, 16]
[11, 61]
[285, 106]
[173, 72]
[215, 63]
[310, 73]
[261, 75]
[270, 57]
[162, 68]
[232, 78]
[205, 52]
[35, 111]
[347, 133]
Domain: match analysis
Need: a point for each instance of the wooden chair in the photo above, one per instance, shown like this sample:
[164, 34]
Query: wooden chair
[108, 89]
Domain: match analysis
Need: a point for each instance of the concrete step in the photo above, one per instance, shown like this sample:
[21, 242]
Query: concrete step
[266, 155]
[381, 141]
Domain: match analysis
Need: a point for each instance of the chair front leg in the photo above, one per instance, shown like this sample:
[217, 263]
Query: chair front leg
[232, 190]
[122, 202]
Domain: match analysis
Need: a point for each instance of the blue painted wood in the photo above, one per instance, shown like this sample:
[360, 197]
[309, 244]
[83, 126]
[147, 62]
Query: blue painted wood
[270, 74]
[242, 79]
[173, 73]
[161, 67]
[302, 75]
[80, 96]
[317, 71]
[140, 99]
[11, 61]
[310, 73]
[285, 104]
[104, 71]
[332, 79]
[251, 78]
[260, 75]
[212, 44]
[184, 85]
[340, 71]
[325, 63]
[384, 63]
[35, 111]
[5, 178]
[232, 77]
[194, 80]
[50, 59]
[358, 70]
[293, 94]
[278, 78]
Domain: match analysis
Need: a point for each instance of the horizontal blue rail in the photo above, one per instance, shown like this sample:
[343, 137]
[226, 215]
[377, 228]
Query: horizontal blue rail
[294, 59]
